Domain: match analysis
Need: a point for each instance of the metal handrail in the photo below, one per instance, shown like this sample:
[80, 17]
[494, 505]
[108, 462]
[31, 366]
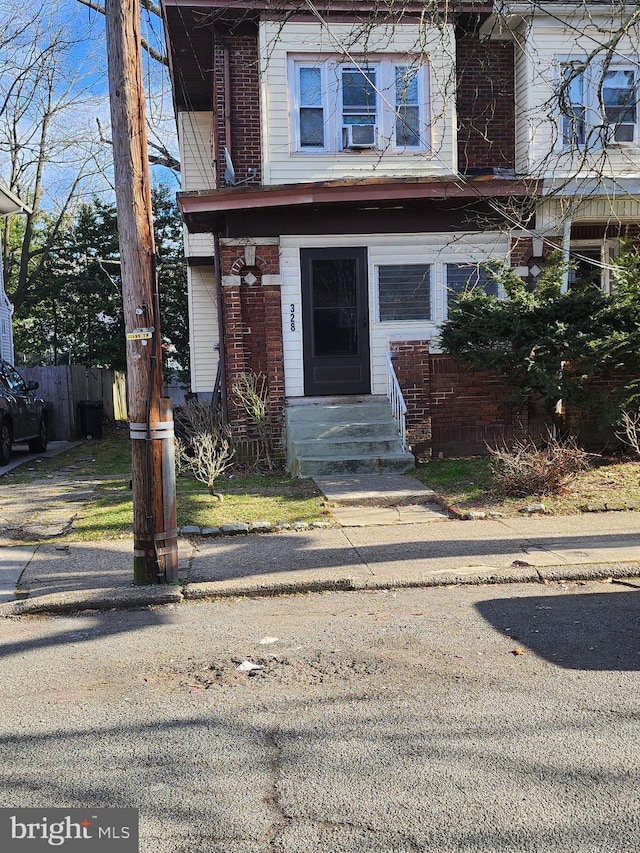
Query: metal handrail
[398, 405]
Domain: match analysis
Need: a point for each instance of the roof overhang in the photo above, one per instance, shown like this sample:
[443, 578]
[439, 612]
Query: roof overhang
[222, 211]
[509, 17]
[10, 203]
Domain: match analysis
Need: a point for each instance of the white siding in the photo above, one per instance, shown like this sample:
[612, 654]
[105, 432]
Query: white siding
[523, 82]
[540, 51]
[203, 328]
[435, 249]
[282, 165]
[198, 245]
[195, 131]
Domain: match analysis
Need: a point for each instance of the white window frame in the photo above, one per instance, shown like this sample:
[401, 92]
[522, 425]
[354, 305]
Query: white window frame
[595, 123]
[567, 120]
[462, 263]
[331, 73]
[298, 106]
[624, 67]
[609, 249]
[432, 291]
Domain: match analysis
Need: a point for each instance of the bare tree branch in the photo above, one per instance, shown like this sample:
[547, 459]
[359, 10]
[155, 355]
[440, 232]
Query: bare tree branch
[150, 7]
[163, 158]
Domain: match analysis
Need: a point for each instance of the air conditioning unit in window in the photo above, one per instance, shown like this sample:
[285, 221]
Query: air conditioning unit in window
[359, 136]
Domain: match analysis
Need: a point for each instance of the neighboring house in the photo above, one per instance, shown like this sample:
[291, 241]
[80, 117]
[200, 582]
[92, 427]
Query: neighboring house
[345, 173]
[9, 203]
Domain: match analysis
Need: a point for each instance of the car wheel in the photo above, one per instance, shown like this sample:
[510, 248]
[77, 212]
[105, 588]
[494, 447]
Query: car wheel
[5, 443]
[39, 444]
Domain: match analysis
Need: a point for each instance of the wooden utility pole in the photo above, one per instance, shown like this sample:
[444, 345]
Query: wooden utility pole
[152, 450]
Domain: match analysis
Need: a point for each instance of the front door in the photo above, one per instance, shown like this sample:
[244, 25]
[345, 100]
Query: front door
[335, 321]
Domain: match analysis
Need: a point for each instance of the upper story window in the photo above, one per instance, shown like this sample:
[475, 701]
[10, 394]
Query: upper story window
[572, 105]
[597, 99]
[620, 96]
[351, 106]
[311, 107]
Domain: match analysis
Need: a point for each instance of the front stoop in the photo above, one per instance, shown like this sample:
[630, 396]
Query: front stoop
[344, 436]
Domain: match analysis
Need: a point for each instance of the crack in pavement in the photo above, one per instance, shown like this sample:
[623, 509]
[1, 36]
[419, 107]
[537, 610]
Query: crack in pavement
[281, 820]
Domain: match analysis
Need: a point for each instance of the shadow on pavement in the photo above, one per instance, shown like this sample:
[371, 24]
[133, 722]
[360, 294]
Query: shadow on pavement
[599, 631]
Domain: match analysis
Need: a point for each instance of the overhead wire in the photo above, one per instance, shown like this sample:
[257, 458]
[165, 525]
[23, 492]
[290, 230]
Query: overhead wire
[460, 178]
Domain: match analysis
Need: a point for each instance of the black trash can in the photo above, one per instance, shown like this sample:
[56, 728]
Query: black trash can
[90, 412]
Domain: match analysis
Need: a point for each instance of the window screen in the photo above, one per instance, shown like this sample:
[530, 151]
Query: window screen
[404, 292]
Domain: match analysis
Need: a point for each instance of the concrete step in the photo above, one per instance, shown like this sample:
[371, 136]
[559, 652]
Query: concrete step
[346, 447]
[338, 413]
[398, 462]
[344, 436]
[377, 430]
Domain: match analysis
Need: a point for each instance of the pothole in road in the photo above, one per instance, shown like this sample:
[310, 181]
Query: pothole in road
[316, 668]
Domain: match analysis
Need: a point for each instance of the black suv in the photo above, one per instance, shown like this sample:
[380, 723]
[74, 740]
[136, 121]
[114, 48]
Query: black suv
[23, 416]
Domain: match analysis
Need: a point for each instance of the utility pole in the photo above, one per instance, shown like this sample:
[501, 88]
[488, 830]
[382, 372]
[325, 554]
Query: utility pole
[151, 418]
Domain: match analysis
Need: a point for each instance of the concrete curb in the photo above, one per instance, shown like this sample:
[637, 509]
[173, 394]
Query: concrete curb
[122, 599]
[467, 576]
[93, 599]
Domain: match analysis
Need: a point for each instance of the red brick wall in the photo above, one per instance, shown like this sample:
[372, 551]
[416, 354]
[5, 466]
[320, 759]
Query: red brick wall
[469, 408]
[411, 363]
[485, 104]
[253, 335]
[451, 409]
[243, 103]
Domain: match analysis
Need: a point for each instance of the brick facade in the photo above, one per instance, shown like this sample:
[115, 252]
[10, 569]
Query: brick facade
[452, 409]
[470, 408]
[253, 334]
[243, 106]
[485, 104]
[411, 362]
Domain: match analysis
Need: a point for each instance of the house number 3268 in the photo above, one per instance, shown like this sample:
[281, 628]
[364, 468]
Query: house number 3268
[292, 316]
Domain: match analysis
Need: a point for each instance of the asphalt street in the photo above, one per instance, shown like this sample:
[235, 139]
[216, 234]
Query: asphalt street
[498, 718]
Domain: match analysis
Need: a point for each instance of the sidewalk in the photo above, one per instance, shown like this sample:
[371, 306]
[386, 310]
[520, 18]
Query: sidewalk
[407, 544]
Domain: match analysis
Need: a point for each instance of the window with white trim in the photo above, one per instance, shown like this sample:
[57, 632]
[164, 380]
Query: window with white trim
[598, 105]
[461, 277]
[311, 107]
[404, 292]
[338, 106]
[619, 98]
[572, 103]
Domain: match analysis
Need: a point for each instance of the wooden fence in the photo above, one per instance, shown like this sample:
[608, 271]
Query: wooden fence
[65, 386]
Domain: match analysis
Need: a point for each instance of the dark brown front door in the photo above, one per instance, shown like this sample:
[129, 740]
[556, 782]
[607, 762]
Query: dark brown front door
[335, 321]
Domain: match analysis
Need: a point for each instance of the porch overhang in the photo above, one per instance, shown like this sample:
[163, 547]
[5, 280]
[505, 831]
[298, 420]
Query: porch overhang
[367, 204]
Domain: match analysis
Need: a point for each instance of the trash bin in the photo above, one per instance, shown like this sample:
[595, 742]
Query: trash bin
[90, 412]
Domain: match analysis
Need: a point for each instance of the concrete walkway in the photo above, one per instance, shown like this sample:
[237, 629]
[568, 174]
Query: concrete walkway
[414, 543]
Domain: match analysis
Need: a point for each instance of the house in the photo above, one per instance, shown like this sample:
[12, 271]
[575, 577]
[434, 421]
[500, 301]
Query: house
[348, 167]
[9, 203]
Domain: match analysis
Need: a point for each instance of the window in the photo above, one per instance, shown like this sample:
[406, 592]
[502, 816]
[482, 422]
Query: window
[404, 292]
[311, 107]
[461, 277]
[593, 99]
[14, 381]
[407, 106]
[351, 106]
[572, 90]
[619, 98]
[590, 261]
[359, 96]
